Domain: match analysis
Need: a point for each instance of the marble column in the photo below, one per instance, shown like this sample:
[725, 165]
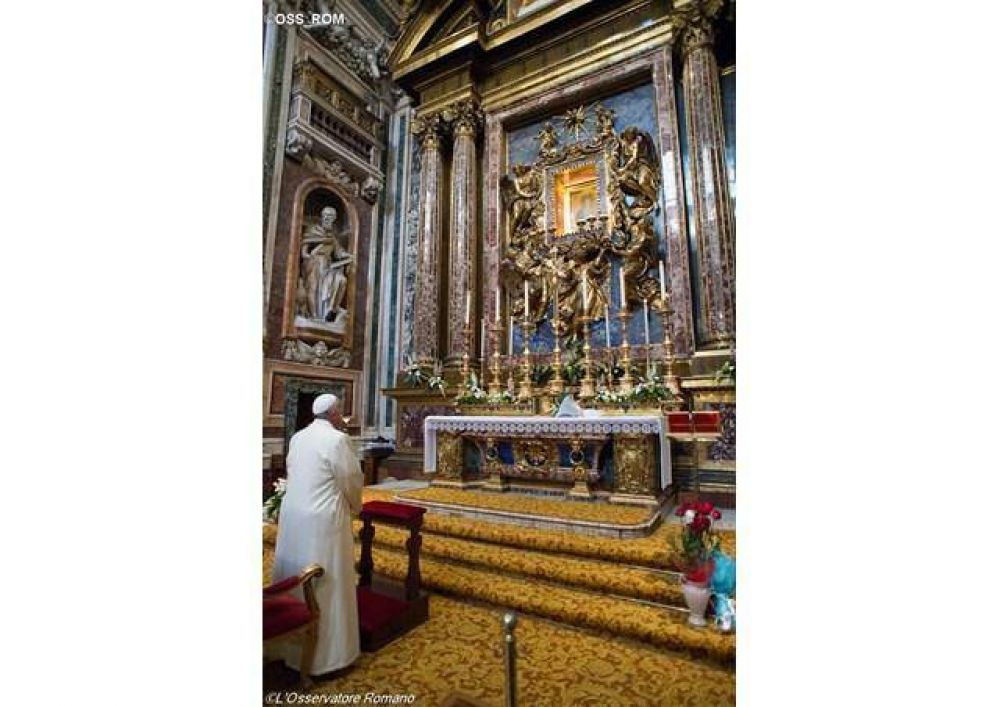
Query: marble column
[466, 120]
[425, 307]
[713, 216]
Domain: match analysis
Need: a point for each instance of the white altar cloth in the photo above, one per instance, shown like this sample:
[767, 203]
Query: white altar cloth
[526, 425]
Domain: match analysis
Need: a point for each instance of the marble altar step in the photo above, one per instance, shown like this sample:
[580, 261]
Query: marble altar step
[653, 551]
[609, 578]
[651, 624]
[582, 517]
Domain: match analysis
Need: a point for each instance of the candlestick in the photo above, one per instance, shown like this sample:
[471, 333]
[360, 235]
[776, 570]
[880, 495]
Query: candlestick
[467, 339]
[482, 350]
[645, 324]
[496, 386]
[669, 374]
[621, 286]
[556, 387]
[524, 393]
[607, 328]
[626, 380]
[587, 390]
[663, 282]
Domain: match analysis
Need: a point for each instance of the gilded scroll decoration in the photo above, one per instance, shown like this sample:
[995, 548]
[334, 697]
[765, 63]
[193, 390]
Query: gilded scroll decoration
[449, 455]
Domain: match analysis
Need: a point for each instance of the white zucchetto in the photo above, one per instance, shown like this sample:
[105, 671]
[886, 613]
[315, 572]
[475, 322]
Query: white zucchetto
[323, 403]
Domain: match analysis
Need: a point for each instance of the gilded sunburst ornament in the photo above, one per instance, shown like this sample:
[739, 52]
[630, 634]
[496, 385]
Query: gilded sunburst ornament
[574, 121]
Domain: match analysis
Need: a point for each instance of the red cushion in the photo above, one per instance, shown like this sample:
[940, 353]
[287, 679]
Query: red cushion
[704, 421]
[282, 586]
[284, 613]
[392, 511]
[376, 610]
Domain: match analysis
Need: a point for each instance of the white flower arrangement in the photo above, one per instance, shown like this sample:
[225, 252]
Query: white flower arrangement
[273, 503]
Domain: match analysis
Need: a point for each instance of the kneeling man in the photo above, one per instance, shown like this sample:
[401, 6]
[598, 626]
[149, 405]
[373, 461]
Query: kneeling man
[314, 525]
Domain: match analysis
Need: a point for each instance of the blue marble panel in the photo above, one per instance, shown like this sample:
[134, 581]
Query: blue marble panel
[727, 85]
[397, 237]
[693, 262]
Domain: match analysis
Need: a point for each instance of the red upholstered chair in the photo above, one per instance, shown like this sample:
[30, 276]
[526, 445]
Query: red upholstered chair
[286, 616]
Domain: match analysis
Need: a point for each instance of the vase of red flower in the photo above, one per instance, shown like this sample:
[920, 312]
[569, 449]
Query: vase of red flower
[697, 541]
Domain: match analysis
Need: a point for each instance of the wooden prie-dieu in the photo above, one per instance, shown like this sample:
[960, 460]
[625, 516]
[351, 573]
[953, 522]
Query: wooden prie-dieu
[384, 612]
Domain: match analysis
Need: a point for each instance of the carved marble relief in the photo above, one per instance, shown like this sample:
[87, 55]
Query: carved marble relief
[317, 354]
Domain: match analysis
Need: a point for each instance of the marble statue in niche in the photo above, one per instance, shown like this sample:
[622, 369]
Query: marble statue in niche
[322, 288]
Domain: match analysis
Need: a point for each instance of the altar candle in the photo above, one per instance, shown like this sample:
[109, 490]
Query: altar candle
[525, 300]
[663, 283]
[468, 306]
[586, 296]
[510, 338]
[621, 286]
[607, 327]
[645, 321]
[497, 319]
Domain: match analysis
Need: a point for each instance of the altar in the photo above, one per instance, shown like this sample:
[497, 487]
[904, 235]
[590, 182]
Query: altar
[625, 456]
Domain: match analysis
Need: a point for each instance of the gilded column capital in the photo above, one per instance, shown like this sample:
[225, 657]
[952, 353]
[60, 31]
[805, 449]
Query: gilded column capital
[429, 129]
[693, 24]
[465, 118]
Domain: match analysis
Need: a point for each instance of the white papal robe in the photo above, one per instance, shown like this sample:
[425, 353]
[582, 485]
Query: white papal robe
[324, 486]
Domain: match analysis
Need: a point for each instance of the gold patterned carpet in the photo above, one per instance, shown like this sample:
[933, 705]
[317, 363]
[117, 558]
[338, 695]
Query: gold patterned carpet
[459, 649]
[598, 575]
[653, 550]
[596, 512]
[601, 584]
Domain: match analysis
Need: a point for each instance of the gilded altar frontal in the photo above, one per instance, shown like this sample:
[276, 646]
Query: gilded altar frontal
[502, 234]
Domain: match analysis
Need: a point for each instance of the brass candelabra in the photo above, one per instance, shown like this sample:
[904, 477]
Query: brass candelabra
[625, 384]
[673, 381]
[557, 386]
[496, 386]
[587, 389]
[525, 393]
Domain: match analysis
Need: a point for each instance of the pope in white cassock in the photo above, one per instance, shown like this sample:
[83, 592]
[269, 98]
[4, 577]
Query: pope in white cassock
[314, 525]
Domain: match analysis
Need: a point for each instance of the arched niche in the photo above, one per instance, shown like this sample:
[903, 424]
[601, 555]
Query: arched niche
[322, 266]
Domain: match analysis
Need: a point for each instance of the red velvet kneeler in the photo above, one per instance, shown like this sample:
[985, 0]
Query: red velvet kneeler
[383, 616]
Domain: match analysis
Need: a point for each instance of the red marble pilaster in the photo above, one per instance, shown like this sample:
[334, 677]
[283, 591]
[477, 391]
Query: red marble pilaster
[428, 278]
[714, 224]
[678, 273]
[462, 262]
